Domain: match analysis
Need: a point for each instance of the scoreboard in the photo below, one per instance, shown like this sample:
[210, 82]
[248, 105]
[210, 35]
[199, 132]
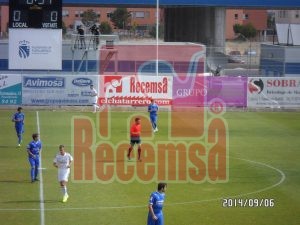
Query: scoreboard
[45, 14]
[35, 34]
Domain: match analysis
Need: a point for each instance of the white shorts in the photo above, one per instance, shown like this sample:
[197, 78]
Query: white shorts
[63, 174]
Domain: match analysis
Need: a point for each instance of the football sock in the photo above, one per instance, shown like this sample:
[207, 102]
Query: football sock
[32, 173]
[139, 153]
[36, 171]
[19, 138]
[64, 190]
[129, 151]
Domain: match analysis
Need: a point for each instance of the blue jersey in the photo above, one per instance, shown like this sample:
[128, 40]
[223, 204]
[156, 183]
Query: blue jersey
[18, 118]
[157, 201]
[152, 109]
[34, 147]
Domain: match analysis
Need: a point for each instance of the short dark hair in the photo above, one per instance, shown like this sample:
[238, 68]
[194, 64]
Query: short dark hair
[20, 108]
[35, 135]
[61, 146]
[161, 186]
[137, 118]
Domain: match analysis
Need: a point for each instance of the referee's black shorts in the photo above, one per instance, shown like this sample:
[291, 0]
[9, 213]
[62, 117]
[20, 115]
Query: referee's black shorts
[135, 140]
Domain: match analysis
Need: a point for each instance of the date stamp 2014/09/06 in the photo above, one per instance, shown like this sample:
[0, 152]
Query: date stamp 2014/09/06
[248, 202]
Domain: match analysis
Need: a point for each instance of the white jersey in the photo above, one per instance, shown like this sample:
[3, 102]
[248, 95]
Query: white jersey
[94, 94]
[63, 161]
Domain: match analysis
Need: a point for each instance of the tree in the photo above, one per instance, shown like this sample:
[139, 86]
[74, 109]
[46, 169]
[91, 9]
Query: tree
[89, 18]
[271, 21]
[105, 28]
[246, 31]
[249, 31]
[152, 31]
[120, 18]
[237, 28]
[64, 28]
[134, 27]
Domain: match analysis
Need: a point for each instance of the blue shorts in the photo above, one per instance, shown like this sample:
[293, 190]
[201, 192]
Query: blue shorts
[19, 129]
[159, 221]
[34, 162]
[153, 118]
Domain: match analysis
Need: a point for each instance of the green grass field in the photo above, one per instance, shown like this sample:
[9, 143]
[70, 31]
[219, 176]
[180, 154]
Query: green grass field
[263, 164]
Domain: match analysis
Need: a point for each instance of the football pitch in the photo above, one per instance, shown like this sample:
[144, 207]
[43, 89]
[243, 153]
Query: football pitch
[262, 187]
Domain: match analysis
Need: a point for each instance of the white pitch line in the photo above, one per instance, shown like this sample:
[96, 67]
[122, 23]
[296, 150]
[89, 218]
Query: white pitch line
[282, 178]
[244, 194]
[42, 204]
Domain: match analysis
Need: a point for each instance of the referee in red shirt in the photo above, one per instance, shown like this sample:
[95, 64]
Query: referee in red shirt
[135, 132]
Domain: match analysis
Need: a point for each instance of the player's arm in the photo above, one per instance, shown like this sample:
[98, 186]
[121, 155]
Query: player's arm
[149, 108]
[55, 163]
[41, 146]
[71, 160]
[29, 152]
[135, 131]
[151, 202]
[152, 212]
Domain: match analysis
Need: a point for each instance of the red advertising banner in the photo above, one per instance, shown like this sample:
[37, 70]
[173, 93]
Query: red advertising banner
[135, 90]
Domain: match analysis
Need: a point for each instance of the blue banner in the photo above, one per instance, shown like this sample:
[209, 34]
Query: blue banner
[10, 89]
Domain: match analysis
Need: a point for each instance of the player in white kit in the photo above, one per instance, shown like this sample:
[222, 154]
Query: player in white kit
[94, 95]
[63, 161]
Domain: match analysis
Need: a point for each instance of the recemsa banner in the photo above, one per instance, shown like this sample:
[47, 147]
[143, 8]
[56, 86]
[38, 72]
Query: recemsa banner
[135, 90]
[35, 49]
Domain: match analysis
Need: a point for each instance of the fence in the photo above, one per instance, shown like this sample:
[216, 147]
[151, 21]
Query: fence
[241, 58]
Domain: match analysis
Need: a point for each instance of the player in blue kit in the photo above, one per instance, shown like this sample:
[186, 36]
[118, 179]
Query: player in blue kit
[153, 109]
[156, 203]
[18, 118]
[34, 148]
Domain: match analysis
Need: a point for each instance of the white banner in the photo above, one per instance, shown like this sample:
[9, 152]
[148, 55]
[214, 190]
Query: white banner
[135, 90]
[273, 92]
[36, 49]
[58, 90]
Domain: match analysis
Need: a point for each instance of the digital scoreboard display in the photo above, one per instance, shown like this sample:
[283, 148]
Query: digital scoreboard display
[45, 14]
